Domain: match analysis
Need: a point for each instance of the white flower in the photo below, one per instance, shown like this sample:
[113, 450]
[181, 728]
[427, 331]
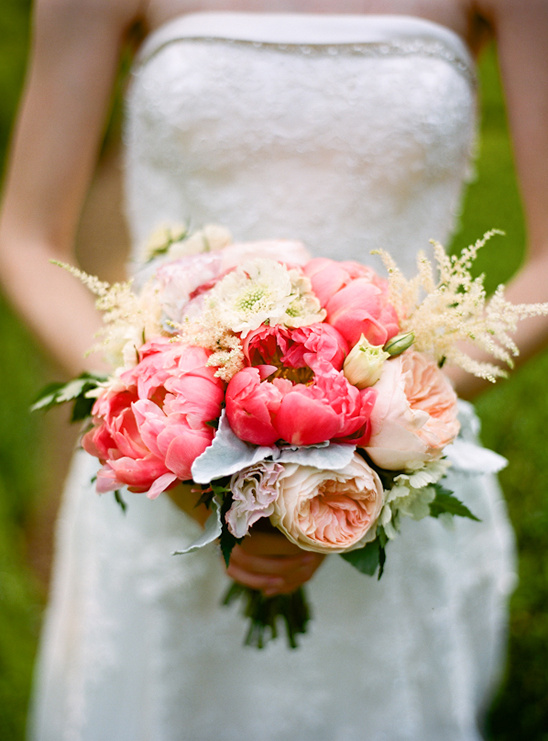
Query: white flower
[262, 291]
[305, 308]
[209, 239]
[162, 239]
[411, 495]
[254, 491]
[364, 363]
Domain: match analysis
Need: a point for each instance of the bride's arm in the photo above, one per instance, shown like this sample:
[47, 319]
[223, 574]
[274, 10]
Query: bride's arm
[521, 30]
[74, 60]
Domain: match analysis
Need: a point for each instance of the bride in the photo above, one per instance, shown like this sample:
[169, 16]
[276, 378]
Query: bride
[348, 124]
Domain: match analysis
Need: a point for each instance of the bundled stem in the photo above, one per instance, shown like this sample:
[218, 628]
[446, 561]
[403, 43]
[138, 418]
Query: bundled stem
[264, 614]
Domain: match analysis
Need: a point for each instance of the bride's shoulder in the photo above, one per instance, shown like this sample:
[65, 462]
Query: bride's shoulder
[513, 10]
[65, 13]
[519, 28]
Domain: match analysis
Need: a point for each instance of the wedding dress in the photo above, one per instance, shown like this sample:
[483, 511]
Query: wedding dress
[350, 133]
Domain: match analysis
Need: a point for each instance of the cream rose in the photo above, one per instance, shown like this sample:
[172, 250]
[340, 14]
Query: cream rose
[415, 413]
[328, 511]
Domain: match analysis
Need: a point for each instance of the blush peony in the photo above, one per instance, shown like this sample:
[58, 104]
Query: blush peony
[415, 413]
[328, 511]
[150, 425]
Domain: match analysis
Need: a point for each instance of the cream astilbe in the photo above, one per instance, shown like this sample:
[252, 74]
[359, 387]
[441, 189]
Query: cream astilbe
[446, 308]
[131, 319]
[209, 332]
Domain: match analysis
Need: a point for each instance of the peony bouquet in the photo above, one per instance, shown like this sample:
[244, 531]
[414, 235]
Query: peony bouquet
[302, 394]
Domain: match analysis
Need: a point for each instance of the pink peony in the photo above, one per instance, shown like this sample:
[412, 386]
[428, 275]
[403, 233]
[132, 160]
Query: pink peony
[295, 348]
[328, 511]
[355, 299]
[150, 427]
[415, 414]
[262, 411]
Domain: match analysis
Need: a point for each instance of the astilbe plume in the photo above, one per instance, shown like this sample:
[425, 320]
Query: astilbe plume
[446, 308]
[129, 317]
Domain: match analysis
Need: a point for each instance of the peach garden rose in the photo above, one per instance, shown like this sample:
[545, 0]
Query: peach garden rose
[328, 511]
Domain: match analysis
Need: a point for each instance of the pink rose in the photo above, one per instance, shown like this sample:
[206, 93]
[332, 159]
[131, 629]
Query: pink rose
[328, 511]
[150, 426]
[262, 411]
[415, 413]
[355, 299]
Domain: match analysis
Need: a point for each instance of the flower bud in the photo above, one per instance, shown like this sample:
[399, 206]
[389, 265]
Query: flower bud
[363, 364]
[399, 343]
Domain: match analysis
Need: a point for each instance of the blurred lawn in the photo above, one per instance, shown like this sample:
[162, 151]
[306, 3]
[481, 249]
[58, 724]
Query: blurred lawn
[521, 709]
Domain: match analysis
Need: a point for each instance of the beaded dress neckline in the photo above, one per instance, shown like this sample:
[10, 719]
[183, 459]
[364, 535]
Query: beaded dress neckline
[389, 31]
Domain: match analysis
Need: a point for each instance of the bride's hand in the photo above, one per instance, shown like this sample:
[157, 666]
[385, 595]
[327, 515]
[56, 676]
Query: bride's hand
[265, 559]
[270, 563]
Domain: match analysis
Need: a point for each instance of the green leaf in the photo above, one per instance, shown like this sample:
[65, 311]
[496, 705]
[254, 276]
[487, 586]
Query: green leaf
[120, 500]
[75, 390]
[447, 502]
[369, 558]
[82, 407]
[227, 541]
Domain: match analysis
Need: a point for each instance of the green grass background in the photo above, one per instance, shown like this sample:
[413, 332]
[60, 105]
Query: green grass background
[514, 418]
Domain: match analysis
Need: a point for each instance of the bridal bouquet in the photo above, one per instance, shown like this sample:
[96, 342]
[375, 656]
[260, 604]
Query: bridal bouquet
[303, 394]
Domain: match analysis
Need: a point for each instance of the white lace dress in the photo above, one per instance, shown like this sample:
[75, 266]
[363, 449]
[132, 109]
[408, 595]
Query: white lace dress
[350, 133]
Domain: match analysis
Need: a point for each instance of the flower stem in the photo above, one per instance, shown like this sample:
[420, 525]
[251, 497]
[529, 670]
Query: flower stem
[264, 614]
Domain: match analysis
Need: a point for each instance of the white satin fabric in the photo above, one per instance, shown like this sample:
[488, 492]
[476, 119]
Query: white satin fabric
[350, 133]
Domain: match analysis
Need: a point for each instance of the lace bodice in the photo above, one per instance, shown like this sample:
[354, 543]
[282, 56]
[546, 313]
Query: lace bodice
[349, 132]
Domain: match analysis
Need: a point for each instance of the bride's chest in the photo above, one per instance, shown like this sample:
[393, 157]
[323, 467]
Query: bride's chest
[407, 102]
[453, 14]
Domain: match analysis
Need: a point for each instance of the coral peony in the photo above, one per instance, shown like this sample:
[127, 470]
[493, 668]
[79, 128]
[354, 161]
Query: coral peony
[296, 348]
[355, 299]
[150, 425]
[262, 411]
